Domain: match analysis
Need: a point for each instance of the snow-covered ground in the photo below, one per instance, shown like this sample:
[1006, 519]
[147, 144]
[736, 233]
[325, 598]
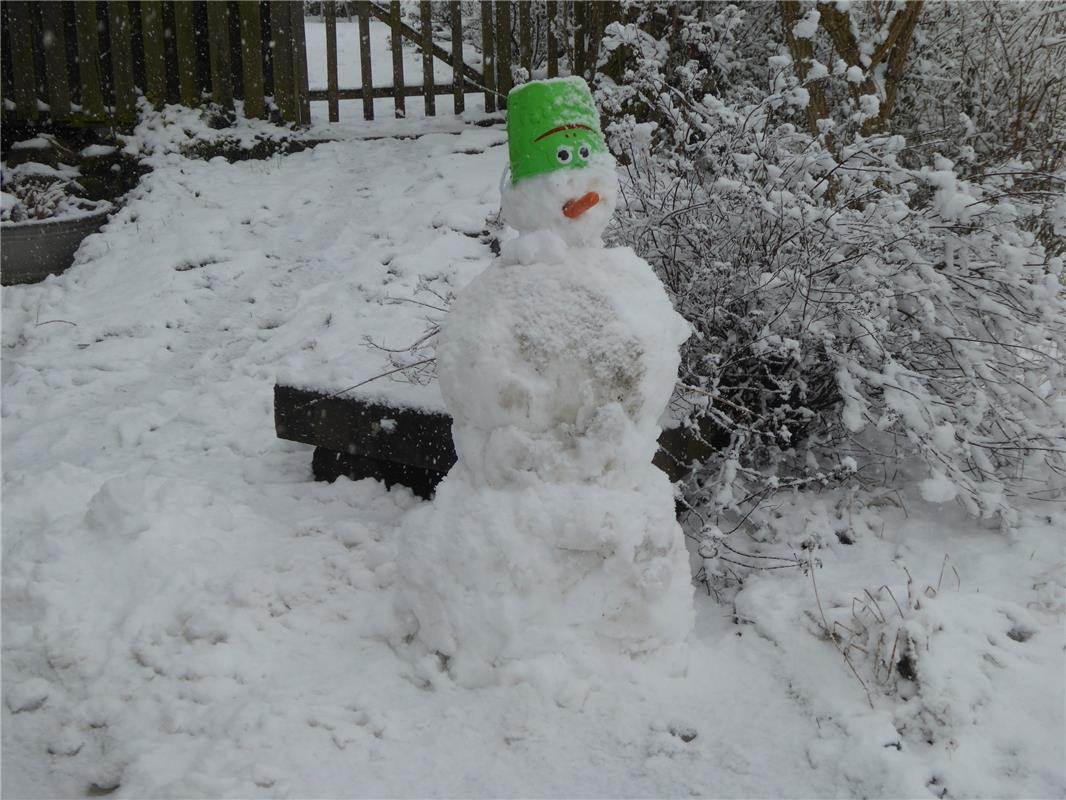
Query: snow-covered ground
[187, 614]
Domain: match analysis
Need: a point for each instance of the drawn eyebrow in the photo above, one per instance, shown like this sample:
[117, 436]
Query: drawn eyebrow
[572, 126]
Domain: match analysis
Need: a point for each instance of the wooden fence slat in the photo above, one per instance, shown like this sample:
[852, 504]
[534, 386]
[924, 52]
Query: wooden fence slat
[503, 51]
[252, 59]
[331, 60]
[185, 44]
[299, 64]
[566, 44]
[92, 97]
[597, 22]
[397, 58]
[54, 44]
[23, 74]
[553, 43]
[577, 61]
[426, 13]
[525, 37]
[6, 88]
[155, 56]
[488, 57]
[458, 95]
[219, 46]
[281, 36]
[121, 33]
[364, 59]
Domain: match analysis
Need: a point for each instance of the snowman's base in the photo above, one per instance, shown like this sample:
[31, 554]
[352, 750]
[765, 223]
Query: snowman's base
[411, 447]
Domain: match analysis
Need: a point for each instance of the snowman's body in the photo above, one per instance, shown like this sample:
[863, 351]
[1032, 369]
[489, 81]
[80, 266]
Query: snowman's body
[553, 537]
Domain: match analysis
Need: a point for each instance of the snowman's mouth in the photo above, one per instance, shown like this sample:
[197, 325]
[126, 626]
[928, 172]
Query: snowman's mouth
[575, 208]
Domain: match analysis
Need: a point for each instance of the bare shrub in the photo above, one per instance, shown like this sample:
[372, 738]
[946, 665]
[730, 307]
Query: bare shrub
[858, 302]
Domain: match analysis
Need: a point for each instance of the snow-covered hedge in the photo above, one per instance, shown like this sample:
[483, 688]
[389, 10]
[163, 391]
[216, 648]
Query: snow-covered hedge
[858, 300]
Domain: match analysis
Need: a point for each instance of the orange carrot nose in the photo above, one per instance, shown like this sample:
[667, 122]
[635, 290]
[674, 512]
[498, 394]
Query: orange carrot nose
[575, 208]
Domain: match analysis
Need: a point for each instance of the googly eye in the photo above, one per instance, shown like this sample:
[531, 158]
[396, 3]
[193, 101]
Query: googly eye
[584, 152]
[564, 154]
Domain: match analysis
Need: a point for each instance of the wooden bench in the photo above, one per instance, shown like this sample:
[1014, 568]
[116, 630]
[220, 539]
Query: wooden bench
[360, 438]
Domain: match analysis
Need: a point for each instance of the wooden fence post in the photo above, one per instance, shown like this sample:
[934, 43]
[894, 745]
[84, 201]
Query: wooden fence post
[185, 42]
[301, 93]
[577, 61]
[219, 49]
[155, 59]
[23, 73]
[525, 37]
[54, 44]
[331, 60]
[364, 59]
[252, 59]
[397, 61]
[426, 11]
[553, 43]
[458, 80]
[92, 97]
[488, 57]
[281, 36]
[503, 51]
[121, 33]
[597, 23]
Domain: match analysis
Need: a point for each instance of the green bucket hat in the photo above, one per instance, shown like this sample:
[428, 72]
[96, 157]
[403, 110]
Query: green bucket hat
[552, 125]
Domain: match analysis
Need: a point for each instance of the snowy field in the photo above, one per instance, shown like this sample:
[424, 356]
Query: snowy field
[187, 614]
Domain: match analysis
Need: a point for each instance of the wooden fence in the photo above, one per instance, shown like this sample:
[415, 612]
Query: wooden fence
[85, 62]
[549, 35]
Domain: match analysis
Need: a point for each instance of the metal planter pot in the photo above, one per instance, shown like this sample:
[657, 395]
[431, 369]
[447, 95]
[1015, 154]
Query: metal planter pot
[31, 251]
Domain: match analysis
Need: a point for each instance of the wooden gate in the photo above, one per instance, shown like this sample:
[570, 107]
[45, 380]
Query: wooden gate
[554, 36]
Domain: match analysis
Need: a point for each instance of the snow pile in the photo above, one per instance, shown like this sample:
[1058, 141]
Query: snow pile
[553, 540]
[35, 192]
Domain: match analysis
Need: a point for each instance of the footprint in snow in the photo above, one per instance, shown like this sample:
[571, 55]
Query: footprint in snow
[28, 695]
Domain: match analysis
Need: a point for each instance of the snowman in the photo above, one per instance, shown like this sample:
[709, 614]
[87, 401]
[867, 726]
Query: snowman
[551, 548]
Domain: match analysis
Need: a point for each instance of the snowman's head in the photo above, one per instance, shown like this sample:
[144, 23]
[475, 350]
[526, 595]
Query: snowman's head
[563, 177]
